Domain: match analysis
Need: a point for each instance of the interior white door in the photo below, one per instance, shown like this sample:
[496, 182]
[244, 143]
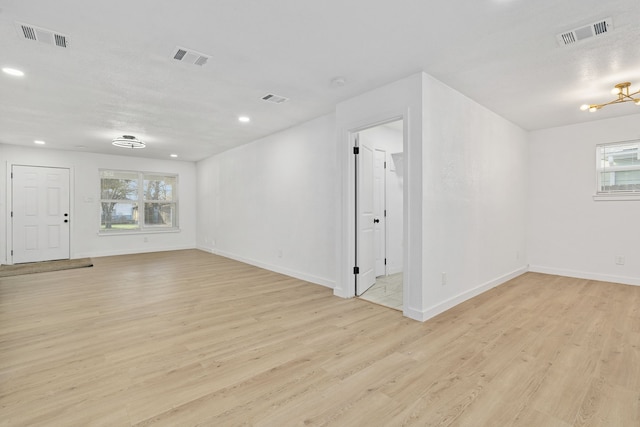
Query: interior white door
[40, 209]
[379, 206]
[365, 248]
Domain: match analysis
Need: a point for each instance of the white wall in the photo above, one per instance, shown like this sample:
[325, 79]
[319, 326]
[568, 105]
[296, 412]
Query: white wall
[465, 192]
[272, 203]
[398, 100]
[569, 233]
[390, 141]
[474, 198]
[85, 197]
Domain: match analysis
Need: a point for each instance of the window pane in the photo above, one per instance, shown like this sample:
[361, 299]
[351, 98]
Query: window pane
[159, 214]
[116, 185]
[620, 181]
[158, 187]
[118, 216]
[619, 155]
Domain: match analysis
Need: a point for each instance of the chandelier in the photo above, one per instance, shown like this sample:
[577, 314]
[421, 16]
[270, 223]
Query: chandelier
[622, 91]
[128, 141]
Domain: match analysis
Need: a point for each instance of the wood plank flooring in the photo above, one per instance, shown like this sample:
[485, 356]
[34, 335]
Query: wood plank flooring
[187, 338]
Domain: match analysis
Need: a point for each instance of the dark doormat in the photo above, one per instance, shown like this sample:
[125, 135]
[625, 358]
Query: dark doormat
[44, 266]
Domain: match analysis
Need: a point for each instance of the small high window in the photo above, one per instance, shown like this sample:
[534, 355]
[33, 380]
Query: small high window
[618, 169]
[138, 201]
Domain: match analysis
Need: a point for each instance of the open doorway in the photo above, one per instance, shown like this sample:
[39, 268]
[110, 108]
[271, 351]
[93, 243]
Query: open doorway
[379, 214]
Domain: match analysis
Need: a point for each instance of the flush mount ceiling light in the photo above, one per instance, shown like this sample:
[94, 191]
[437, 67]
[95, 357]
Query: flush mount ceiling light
[128, 141]
[244, 119]
[622, 91]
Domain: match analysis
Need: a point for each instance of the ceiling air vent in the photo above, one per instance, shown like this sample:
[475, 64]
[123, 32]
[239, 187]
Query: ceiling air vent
[190, 56]
[276, 99]
[49, 37]
[599, 28]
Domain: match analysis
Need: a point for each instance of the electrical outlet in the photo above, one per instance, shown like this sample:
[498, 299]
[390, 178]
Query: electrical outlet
[444, 278]
[619, 260]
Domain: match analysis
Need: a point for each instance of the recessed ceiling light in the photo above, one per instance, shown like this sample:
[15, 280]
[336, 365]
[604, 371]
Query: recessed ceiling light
[173, 155]
[39, 142]
[244, 119]
[13, 72]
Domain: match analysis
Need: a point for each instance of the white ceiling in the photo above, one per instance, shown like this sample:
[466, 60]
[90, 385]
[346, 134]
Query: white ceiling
[118, 76]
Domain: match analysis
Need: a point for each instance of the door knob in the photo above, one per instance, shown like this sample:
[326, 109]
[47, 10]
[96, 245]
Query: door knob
[66, 214]
[376, 221]
[66, 220]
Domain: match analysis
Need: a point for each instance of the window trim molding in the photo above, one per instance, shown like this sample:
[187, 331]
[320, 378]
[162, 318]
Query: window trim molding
[616, 197]
[136, 233]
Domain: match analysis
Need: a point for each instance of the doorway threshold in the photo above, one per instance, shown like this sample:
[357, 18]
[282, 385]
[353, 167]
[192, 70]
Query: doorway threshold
[387, 291]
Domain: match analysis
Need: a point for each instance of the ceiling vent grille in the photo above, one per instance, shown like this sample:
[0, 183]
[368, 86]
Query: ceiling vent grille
[599, 28]
[190, 56]
[31, 32]
[275, 99]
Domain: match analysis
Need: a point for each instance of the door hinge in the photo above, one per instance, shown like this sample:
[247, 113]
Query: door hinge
[11, 214]
[11, 175]
[356, 150]
[385, 165]
[385, 213]
[11, 252]
[356, 270]
[385, 261]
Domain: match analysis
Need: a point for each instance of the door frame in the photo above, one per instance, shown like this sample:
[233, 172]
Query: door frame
[351, 205]
[9, 204]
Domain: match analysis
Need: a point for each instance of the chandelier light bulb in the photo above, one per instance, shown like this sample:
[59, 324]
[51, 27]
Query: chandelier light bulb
[584, 107]
[593, 109]
[616, 90]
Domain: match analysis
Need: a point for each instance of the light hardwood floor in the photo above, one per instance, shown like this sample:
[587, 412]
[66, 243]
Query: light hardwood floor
[188, 338]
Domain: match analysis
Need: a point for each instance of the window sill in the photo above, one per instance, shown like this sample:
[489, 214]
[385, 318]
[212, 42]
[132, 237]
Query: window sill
[616, 197]
[135, 233]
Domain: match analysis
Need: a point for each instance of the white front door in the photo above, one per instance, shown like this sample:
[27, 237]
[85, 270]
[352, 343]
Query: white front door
[40, 213]
[365, 248]
[379, 217]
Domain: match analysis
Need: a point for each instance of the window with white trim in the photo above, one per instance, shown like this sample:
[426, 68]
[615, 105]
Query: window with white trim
[138, 201]
[618, 169]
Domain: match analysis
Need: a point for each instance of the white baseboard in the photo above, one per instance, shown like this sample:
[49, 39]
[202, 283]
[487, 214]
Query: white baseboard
[275, 268]
[96, 254]
[625, 280]
[460, 298]
[414, 314]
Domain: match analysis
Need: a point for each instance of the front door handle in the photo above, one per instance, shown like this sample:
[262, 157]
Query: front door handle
[375, 221]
